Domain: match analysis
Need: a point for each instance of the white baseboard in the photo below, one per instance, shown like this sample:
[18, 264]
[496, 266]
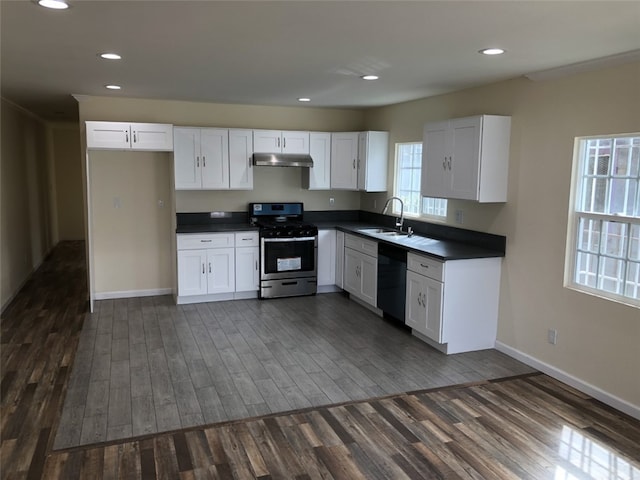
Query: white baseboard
[592, 390]
[132, 293]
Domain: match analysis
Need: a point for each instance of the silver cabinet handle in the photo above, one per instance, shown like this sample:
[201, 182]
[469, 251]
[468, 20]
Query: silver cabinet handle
[203, 268]
[198, 162]
[134, 137]
[424, 266]
[450, 160]
[444, 163]
[354, 163]
[419, 298]
[284, 142]
[126, 137]
[278, 142]
[204, 161]
[206, 241]
[250, 165]
[256, 264]
[209, 267]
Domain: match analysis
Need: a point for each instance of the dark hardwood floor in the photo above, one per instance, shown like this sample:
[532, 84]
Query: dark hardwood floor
[530, 426]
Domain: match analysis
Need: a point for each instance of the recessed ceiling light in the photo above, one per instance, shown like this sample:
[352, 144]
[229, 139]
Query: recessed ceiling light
[492, 51]
[110, 56]
[113, 87]
[369, 77]
[304, 99]
[55, 4]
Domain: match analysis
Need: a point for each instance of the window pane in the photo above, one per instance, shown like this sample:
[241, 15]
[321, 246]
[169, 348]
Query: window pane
[633, 280]
[624, 193]
[586, 269]
[589, 235]
[634, 243]
[611, 275]
[614, 239]
[408, 177]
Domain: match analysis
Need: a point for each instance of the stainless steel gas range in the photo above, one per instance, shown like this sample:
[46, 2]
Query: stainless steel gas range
[288, 250]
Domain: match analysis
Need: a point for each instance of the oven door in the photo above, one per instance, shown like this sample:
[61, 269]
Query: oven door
[288, 257]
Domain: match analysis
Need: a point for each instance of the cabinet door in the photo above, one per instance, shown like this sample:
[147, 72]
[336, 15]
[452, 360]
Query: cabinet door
[352, 271]
[192, 276]
[435, 161]
[326, 257]
[369, 277]
[221, 270]
[186, 158]
[373, 153]
[108, 135]
[415, 311]
[340, 259]
[240, 161]
[295, 142]
[214, 151]
[247, 259]
[320, 150]
[464, 164]
[344, 156]
[432, 297]
[152, 136]
[267, 141]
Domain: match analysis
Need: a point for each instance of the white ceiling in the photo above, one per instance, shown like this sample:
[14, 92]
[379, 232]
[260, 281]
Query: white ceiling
[271, 53]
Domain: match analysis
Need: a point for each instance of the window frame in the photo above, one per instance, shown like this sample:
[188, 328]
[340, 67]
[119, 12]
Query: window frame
[576, 215]
[395, 207]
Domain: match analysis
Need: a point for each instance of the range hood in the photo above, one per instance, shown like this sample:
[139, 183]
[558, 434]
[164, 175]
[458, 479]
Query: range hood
[282, 160]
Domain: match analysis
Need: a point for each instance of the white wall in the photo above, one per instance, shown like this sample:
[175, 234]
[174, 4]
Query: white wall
[26, 229]
[598, 340]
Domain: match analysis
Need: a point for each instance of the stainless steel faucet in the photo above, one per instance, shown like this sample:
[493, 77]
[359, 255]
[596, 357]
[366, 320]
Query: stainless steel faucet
[399, 221]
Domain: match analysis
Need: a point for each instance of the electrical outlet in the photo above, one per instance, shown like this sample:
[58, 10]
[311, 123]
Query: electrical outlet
[161, 203]
[552, 336]
[332, 200]
[459, 217]
[116, 202]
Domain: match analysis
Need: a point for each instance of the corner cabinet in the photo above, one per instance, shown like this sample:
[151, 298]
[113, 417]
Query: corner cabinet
[467, 158]
[359, 161]
[453, 305]
[361, 268]
[156, 137]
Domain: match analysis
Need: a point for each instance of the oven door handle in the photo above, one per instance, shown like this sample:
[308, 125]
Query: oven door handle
[294, 239]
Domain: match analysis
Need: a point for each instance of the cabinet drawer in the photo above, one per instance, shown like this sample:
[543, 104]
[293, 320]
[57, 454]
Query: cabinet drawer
[208, 240]
[361, 245]
[429, 267]
[246, 239]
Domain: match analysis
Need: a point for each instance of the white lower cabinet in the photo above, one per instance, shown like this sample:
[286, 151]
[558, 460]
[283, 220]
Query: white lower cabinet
[247, 262]
[326, 258]
[216, 266]
[453, 305]
[361, 268]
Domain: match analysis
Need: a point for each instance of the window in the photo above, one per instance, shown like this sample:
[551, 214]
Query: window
[408, 172]
[605, 221]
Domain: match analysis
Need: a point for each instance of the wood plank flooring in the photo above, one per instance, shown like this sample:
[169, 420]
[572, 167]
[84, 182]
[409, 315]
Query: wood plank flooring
[529, 426]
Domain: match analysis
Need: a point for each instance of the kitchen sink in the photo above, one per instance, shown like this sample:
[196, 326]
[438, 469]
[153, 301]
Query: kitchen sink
[383, 231]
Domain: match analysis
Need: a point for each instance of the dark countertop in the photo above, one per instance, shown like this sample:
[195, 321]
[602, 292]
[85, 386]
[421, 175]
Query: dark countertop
[433, 247]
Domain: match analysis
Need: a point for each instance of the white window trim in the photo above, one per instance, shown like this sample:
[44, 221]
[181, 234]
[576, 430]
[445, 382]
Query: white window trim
[574, 217]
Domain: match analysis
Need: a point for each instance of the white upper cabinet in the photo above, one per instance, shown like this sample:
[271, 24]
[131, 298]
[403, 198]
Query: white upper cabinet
[359, 161]
[240, 161]
[280, 141]
[467, 158]
[373, 152]
[201, 158]
[318, 177]
[344, 158]
[130, 136]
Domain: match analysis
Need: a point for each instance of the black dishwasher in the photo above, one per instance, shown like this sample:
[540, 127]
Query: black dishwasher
[392, 280]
